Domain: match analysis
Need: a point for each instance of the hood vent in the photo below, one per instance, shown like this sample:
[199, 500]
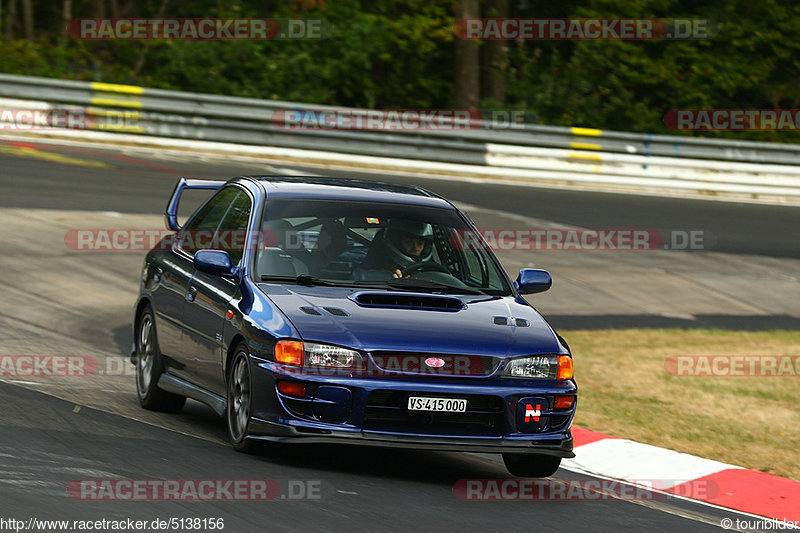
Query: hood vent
[336, 311]
[408, 301]
[511, 321]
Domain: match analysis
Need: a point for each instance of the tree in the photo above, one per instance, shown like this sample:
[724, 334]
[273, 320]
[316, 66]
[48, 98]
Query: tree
[494, 60]
[12, 15]
[27, 18]
[467, 68]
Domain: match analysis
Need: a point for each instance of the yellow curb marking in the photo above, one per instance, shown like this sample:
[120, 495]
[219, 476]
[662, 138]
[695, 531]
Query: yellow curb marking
[24, 151]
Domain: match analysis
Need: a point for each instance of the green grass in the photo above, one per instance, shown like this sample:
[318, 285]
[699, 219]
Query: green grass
[747, 421]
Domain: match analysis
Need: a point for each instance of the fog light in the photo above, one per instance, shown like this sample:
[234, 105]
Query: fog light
[564, 403]
[292, 388]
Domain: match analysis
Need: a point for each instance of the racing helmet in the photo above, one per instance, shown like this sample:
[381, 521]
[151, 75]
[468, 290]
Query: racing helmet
[399, 229]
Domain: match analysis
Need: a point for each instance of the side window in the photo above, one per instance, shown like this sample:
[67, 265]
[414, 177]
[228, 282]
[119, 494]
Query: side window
[477, 271]
[232, 232]
[198, 232]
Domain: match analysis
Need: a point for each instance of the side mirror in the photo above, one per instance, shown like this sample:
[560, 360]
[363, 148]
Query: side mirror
[533, 280]
[214, 262]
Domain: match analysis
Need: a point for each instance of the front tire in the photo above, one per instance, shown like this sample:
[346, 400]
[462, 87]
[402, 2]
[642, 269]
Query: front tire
[531, 465]
[149, 368]
[240, 401]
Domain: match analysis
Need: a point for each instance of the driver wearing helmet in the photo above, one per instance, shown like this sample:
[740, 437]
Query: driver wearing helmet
[405, 243]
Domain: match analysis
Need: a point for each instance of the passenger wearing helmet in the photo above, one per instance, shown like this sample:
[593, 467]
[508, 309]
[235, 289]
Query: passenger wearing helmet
[403, 243]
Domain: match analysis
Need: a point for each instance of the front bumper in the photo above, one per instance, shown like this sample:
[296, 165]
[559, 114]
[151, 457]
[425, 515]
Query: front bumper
[280, 418]
[560, 446]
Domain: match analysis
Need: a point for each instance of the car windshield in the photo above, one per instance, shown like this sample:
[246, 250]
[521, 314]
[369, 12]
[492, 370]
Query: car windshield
[354, 243]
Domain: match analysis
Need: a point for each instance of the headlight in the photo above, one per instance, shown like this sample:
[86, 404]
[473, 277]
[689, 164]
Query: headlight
[316, 355]
[329, 356]
[540, 367]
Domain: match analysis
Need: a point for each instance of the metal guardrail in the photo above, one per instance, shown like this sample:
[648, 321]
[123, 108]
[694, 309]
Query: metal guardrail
[526, 151]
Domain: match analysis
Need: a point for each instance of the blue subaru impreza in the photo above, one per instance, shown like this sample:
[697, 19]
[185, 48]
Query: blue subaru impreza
[343, 311]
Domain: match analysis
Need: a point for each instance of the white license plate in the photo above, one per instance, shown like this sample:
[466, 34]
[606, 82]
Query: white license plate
[448, 405]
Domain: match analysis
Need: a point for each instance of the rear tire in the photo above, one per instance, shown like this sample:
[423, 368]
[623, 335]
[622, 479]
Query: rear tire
[240, 401]
[531, 465]
[149, 368]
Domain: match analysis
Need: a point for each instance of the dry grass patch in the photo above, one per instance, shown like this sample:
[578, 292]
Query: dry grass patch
[747, 421]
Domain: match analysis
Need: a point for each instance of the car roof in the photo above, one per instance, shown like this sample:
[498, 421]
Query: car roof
[347, 189]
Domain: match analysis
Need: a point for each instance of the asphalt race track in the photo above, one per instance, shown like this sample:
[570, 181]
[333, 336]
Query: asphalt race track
[58, 301]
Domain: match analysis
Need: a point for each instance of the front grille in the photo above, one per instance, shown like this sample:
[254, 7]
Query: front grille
[387, 411]
[453, 365]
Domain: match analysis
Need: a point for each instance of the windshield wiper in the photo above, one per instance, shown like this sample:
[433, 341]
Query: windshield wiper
[394, 283]
[408, 283]
[302, 279]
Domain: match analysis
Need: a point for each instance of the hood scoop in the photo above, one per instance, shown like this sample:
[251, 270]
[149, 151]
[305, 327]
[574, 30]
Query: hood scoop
[394, 300]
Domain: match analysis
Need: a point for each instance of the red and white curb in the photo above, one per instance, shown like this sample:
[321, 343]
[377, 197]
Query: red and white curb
[738, 488]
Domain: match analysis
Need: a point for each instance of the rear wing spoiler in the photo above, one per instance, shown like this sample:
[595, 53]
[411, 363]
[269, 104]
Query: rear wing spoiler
[171, 213]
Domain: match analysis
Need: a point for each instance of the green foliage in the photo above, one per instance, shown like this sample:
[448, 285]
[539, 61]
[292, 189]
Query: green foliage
[753, 63]
[399, 54]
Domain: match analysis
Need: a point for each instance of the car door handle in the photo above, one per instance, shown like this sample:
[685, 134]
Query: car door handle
[191, 293]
